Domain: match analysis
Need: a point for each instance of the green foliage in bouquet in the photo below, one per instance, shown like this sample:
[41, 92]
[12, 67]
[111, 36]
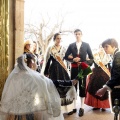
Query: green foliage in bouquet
[84, 70]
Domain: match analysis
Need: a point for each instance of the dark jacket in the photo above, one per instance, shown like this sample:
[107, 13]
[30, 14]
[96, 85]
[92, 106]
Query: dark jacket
[84, 51]
[115, 71]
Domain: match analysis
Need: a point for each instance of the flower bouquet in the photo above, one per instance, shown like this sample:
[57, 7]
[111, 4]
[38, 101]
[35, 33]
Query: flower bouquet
[83, 70]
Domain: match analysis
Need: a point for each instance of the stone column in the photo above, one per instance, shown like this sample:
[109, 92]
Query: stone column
[11, 36]
[19, 27]
[4, 42]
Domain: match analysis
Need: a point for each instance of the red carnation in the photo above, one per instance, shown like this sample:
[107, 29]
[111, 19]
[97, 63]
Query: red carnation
[84, 65]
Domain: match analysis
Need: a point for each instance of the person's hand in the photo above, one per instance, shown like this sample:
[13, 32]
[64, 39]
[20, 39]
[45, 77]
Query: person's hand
[74, 82]
[87, 58]
[76, 59]
[70, 57]
[101, 92]
[79, 63]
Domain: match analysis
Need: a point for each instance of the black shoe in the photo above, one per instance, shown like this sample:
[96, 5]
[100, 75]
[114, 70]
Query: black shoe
[74, 110]
[70, 113]
[81, 112]
[96, 108]
[102, 109]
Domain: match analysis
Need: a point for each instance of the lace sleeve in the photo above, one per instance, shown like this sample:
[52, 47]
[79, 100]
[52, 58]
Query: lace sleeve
[62, 52]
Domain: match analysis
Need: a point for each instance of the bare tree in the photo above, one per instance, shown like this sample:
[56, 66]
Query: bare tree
[44, 32]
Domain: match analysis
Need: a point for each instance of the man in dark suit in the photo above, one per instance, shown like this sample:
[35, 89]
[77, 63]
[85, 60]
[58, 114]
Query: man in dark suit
[77, 52]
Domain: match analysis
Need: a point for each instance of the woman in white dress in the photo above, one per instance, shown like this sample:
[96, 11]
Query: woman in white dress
[28, 95]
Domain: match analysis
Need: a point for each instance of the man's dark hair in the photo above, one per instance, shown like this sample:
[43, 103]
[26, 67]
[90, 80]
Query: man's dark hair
[110, 41]
[77, 30]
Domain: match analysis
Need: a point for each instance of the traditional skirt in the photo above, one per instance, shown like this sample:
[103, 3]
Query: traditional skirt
[97, 79]
[57, 72]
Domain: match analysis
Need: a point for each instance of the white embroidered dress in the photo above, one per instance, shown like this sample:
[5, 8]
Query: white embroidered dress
[26, 91]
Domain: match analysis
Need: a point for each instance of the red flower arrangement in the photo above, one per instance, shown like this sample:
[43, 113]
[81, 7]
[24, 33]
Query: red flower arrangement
[84, 70]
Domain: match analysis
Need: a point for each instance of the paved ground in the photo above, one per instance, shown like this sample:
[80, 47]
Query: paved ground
[90, 114]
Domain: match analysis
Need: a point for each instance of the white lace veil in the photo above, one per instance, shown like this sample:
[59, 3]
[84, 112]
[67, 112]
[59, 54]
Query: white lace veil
[21, 62]
[27, 91]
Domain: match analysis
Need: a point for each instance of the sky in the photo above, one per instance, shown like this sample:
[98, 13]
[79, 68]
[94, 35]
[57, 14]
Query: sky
[98, 19]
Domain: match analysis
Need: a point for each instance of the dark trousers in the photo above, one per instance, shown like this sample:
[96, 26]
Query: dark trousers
[74, 73]
[115, 94]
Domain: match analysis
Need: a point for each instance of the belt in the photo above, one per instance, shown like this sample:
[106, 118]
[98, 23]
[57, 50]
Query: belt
[74, 65]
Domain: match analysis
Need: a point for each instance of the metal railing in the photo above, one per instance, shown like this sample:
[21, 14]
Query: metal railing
[116, 109]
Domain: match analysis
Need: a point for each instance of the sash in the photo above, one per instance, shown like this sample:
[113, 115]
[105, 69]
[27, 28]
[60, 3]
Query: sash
[58, 58]
[104, 68]
[100, 64]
